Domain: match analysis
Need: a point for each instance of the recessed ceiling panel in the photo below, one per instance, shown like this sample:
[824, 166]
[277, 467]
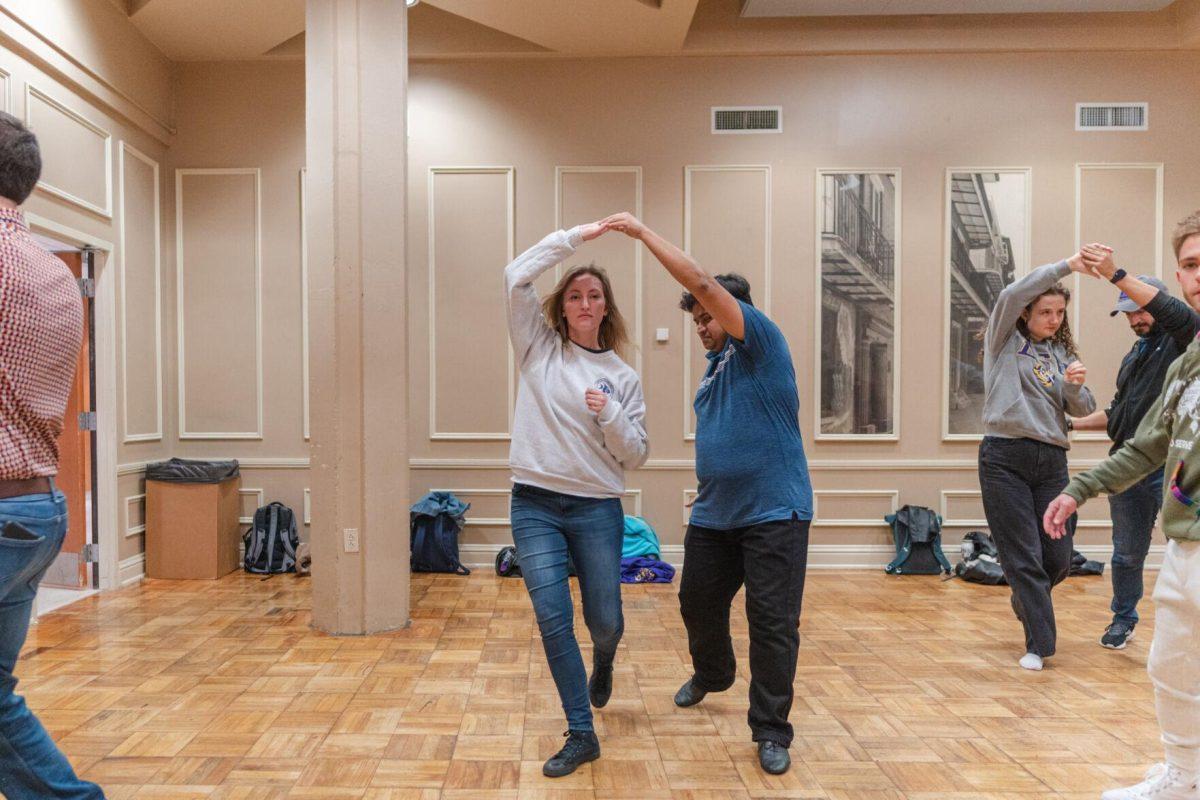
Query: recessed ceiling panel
[846, 8]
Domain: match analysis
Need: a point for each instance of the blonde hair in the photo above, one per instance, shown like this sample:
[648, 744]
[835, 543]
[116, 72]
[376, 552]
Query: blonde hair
[1187, 227]
[613, 333]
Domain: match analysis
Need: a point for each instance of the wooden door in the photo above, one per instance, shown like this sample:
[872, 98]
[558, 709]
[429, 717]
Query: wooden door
[75, 461]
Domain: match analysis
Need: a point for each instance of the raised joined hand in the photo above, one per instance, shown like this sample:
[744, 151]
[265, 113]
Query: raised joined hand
[1098, 258]
[626, 223]
[593, 230]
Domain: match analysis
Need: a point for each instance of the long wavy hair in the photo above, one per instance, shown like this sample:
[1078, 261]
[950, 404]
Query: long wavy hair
[613, 333]
[1063, 335]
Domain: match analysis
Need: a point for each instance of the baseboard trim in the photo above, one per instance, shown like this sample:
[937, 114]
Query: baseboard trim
[820, 556]
[131, 570]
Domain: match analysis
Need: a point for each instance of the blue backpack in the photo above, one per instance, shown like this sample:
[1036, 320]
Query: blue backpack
[434, 523]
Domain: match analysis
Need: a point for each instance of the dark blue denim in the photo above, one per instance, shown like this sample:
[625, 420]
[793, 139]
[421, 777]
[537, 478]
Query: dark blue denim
[546, 527]
[1133, 512]
[31, 766]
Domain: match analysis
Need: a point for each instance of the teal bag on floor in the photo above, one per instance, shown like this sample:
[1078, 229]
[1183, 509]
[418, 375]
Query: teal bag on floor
[640, 539]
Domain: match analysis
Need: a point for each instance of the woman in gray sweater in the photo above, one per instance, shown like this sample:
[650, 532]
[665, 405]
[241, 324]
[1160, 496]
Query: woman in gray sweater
[1033, 380]
[578, 426]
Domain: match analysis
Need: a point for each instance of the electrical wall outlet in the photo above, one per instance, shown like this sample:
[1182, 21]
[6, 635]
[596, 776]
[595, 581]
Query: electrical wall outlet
[662, 334]
[350, 540]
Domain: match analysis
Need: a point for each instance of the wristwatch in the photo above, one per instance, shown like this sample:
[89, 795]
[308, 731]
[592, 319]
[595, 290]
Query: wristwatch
[1118, 276]
[1070, 424]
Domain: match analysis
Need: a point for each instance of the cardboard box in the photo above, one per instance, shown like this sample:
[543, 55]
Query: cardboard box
[192, 529]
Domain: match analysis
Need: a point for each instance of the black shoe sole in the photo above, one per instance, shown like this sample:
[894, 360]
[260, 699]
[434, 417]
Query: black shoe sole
[765, 769]
[1120, 646]
[551, 774]
[693, 699]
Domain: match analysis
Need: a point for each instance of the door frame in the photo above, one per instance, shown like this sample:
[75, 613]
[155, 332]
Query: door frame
[104, 345]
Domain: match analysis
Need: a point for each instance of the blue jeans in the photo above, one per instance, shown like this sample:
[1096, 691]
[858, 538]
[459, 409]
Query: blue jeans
[32, 528]
[546, 527]
[1133, 512]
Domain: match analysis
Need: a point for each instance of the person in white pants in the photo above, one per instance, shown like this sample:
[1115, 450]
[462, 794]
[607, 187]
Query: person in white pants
[1167, 436]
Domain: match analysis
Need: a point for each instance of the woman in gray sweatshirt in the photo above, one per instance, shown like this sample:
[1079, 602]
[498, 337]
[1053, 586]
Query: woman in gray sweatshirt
[578, 426]
[1033, 380]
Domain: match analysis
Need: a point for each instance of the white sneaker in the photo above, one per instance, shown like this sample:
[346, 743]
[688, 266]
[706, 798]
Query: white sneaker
[1163, 782]
[1031, 661]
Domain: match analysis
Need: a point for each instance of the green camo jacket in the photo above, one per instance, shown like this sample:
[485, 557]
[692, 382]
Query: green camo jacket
[1167, 435]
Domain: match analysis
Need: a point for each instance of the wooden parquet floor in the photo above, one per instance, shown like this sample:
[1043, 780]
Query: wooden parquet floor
[906, 688]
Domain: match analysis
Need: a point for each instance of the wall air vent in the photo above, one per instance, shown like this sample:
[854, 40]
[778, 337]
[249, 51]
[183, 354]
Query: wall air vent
[747, 119]
[1112, 116]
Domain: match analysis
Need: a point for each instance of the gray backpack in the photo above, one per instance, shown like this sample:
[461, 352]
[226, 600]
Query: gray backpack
[271, 541]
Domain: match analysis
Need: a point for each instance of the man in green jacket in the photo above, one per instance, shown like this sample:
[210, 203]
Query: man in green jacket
[1167, 435]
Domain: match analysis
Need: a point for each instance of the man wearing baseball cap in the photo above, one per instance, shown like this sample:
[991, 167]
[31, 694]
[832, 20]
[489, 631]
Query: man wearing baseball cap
[1165, 326]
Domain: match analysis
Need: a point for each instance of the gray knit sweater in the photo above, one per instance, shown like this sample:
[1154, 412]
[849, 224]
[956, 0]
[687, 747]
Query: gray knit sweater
[1026, 396]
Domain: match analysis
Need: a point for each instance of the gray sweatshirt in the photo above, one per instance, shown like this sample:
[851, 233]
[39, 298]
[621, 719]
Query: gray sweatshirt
[558, 443]
[1026, 396]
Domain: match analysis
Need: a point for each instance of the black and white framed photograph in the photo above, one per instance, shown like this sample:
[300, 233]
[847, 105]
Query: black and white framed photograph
[987, 247]
[858, 249]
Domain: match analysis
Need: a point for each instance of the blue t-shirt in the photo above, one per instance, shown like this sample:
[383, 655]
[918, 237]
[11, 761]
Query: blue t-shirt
[750, 460]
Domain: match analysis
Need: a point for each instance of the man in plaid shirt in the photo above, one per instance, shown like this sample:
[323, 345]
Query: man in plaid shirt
[41, 323]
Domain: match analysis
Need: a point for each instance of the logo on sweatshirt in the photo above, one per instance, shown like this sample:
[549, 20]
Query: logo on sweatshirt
[1189, 404]
[1043, 374]
[605, 386]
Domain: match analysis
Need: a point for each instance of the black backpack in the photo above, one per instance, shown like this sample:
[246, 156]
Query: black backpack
[271, 541]
[917, 532]
[434, 524]
[980, 560]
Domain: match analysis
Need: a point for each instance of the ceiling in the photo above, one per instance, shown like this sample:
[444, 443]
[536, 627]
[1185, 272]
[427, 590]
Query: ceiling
[216, 30]
[848, 8]
[583, 27]
[231, 30]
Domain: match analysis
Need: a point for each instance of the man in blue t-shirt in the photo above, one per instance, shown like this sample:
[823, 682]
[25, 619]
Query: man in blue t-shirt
[750, 520]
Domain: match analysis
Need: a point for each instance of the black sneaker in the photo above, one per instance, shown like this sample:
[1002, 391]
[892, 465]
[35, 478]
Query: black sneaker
[773, 757]
[600, 685]
[581, 747]
[1117, 635]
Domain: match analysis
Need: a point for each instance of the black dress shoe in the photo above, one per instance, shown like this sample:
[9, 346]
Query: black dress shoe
[600, 685]
[689, 694]
[581, 747]
[773, 757]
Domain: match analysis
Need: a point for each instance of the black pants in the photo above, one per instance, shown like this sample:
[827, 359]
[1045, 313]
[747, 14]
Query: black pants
[771, 559]
[1019, 478]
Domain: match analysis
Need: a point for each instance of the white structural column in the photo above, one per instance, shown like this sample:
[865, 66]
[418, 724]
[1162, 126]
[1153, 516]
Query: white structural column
[356, 74]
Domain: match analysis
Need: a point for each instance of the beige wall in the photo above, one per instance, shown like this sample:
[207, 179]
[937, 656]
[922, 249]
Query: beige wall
[98, 187]
[752, 209]
[521, 146]
[233, 304]
[92, 44]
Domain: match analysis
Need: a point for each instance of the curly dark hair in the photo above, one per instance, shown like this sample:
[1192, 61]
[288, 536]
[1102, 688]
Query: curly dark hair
[20, 159]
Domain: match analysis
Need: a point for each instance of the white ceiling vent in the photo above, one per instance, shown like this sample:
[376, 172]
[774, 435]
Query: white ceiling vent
[1112, 116]
[747, 119]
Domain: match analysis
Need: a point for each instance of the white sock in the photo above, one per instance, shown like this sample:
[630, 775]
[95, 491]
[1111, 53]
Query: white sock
[1031, 661]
